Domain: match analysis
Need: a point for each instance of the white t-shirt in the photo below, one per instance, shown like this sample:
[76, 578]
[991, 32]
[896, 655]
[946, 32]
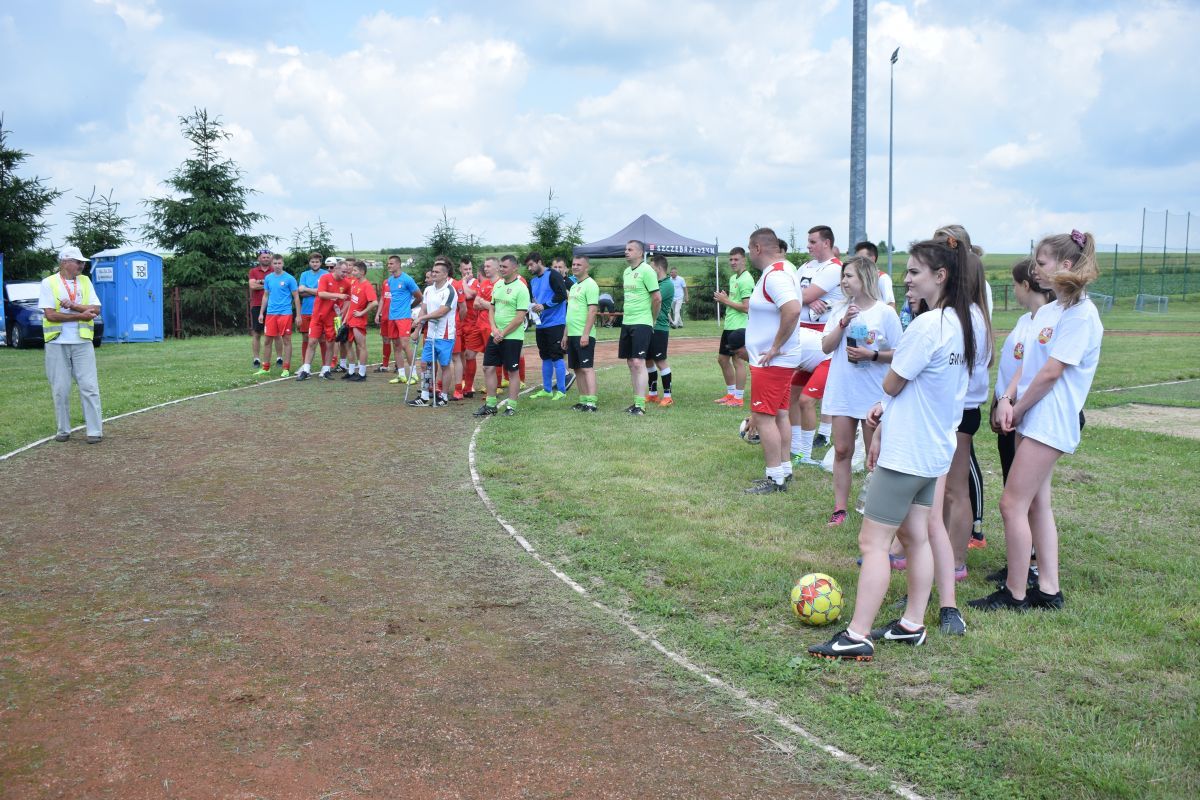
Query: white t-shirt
[1072, 336]
[70, 330]
[827, 275]
[977, 386]
[852, 389]
[1012, 354]
[808, 346]
[776, 287]
[919, 424]
[680, 286]
[434, 298]
[886, 290]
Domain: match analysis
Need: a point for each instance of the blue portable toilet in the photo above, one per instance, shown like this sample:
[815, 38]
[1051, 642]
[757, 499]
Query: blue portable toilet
[129, 281]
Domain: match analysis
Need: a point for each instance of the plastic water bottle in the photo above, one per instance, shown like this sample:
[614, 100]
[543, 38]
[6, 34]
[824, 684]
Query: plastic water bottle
[860, 504]
[858, 332]
[905, 316]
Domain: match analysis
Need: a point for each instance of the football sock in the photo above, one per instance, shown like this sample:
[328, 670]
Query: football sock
[666, 379]
[387, 353]
[491, 401]
[730, 389]
[306, 368]
[547, 375]
[639, 401]
[858, 637]
[825, 429]
[560, 373]
[776, 474]
[342, 363]
[325, 369]
[786, 466]
[912, 627]
[287, 365]
[652, 379]
[805, 446]
[469, 374]
[738, 393]
[521, 368]
[362, 369]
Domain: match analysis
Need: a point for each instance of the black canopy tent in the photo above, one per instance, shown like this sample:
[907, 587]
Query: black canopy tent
[657, 238]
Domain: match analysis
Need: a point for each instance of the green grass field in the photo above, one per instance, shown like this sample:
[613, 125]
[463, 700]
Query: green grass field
[1100, 700]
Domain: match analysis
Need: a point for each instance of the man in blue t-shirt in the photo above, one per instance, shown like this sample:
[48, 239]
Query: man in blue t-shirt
[280, 296]
[549, 293]
[308, 295]
[402, 292]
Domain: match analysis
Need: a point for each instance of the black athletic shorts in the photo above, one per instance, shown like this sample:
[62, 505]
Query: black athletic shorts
[732, 341]
[658, 345]
[549, 342]
[635, 341]
[255, 325]
[506, 354]
[970, 421]
[581, 357]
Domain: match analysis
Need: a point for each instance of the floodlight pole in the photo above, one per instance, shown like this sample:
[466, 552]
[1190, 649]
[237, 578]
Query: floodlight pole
[858, 127]
[891, 129]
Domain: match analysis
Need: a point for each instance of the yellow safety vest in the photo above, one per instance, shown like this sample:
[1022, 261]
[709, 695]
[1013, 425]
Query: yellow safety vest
[51, 330]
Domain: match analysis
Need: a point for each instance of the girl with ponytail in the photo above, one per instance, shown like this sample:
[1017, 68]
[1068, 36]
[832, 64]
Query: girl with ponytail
[1041, 404]
[922, 404]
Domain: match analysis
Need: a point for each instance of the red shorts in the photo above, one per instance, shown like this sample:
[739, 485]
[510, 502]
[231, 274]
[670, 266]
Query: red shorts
[813, 382]
[320, 327]
[357, 323]
[458, 343]
[402, 328]
[770, 389]
[387, 328]
[279, 324]
[305, 321]
[813, 326]
[474, 339]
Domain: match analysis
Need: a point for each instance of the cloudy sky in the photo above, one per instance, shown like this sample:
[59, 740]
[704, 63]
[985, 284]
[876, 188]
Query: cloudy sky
[1013, 117]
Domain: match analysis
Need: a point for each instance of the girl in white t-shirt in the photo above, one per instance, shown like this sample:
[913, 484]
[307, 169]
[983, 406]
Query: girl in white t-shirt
[1042, 404]
[861, 334]
[917, 418]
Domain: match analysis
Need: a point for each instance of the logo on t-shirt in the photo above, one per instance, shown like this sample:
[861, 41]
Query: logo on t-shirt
[871, 337]
[1019, 351]
[1046, 335]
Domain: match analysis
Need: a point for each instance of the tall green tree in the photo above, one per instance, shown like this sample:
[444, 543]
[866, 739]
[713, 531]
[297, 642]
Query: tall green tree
[314, 237]
[552, 235]
[207, 225]
[23, 204]
[446, 239]
[98, 224]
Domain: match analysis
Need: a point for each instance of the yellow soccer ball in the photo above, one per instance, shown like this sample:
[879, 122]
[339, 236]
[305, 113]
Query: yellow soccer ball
[817, 599]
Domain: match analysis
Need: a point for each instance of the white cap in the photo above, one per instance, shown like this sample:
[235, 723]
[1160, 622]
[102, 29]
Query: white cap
[71, 253]
[331, 261]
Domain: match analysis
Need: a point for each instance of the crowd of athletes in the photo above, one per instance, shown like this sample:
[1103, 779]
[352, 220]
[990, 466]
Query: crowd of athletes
[830, 360]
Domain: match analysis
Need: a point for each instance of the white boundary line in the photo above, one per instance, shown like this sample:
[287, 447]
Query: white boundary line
[1145, 386]
[754, 704]
[32, 445]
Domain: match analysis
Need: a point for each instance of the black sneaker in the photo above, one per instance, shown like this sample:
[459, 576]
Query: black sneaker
[509, 411]
[279, 362]
[382, 368]
[326, 376]
[468, 395]
[999, 600]
[589, 409]
[1001, 575]
[420, 402]
[895, 632]
[302, 375]
[1039, 599]
[842, 647]
[765, 486]
[577, 407]
[570, 382]
[339, 368]
[951, 622]
[257, 364]
[441, 400]
[349, 376]
[820, 440]
[636, 411]
[485, 411]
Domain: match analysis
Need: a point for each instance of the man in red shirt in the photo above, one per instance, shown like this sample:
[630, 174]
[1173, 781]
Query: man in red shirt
[332, 290]
[386, 327]
[473, 335]
[355, 316]
[456, 357]
[258, 272]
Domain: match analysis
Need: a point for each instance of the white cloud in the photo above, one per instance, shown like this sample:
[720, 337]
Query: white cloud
[139, 16]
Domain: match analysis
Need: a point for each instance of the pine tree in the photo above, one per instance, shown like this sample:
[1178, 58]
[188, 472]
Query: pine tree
[207, 226]
[314, 237]
[23, 204]
[98, 224]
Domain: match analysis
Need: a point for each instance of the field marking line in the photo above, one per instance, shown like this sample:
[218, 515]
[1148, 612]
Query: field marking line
[1145, 386]
[754, 704]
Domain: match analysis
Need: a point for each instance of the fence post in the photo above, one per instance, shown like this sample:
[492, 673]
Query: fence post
[1116, 251]
[1162, 272]
[1141, 251]
[1186, 237]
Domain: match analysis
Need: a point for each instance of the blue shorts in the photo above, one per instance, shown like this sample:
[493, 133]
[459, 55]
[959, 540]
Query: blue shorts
[444, 349]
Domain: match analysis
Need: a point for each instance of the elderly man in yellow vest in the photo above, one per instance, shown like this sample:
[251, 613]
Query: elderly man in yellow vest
[69, 305]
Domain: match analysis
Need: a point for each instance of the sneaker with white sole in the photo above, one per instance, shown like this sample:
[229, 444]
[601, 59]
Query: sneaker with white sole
[951, 622]
[843, 648]
[895, 632]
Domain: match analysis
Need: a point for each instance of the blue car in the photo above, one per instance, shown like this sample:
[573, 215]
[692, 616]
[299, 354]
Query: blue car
[23, 318]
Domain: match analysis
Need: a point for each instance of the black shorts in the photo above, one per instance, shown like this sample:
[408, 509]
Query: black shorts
[506, 354]
[970, 421]
[581, 357]
[732, 341]
[658, 345]
[549, 342]
[635, 341]
[255, 325]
